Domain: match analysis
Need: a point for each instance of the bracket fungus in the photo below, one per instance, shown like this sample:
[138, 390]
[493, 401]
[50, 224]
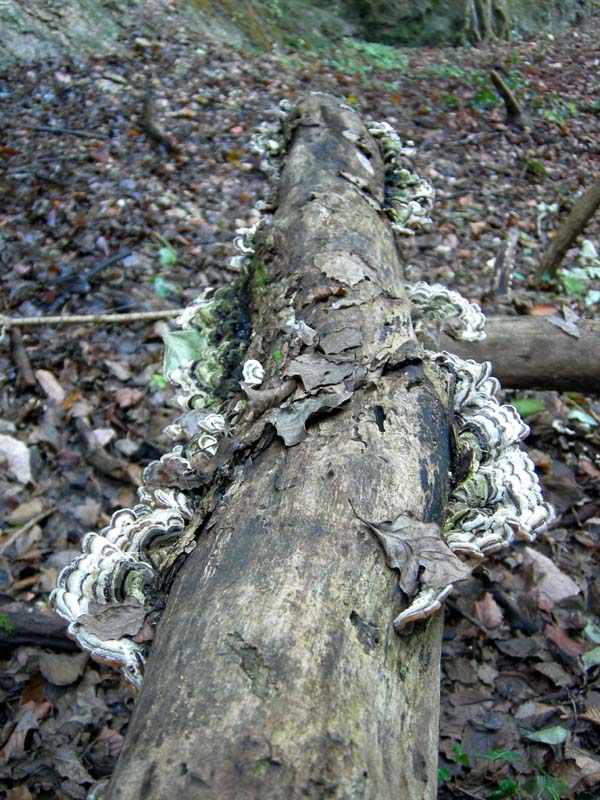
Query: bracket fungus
[498, 499]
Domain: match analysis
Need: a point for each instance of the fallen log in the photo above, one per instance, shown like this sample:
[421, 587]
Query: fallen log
[276, 671]
[536, 353]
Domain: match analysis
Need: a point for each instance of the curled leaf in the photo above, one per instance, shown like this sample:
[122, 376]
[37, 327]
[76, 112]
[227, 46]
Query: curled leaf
[428, 568]
[290, 422]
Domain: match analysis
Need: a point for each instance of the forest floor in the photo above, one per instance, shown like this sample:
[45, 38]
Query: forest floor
[97, 218]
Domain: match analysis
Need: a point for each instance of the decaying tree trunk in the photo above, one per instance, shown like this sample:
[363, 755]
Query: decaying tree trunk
[277, 672]
[536, 353]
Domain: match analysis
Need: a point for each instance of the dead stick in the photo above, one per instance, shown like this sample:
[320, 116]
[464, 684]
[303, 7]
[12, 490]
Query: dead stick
[24, 528]
[27, 626]
[514, 113]
[89, 319]
[581, 213]
[62, 131]
[504, 265]
[21, 359]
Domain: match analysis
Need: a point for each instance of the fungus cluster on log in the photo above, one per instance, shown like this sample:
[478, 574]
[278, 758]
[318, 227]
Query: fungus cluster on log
[308, 409]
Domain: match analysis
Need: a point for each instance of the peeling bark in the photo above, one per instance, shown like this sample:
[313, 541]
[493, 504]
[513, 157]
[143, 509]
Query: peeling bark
[276, 672]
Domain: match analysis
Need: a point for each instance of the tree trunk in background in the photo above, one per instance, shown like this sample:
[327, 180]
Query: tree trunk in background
[534, 353]
[277, 672]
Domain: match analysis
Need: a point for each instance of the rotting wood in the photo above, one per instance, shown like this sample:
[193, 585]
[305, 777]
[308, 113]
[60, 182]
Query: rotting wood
[583, 210]
[536, 353]
[276, 671]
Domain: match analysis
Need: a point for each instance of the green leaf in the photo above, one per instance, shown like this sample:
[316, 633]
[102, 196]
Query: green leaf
[571, 284]
[592, 631]
[544, 787]
[591, 658]
[157, 381]
[527, 406]
[167, 257]
[554, 735]
[443, 775]
[506, 788]
[161, 287]
[494, 755]
[182, 346]
[277, 356]
[588, 251]
[460, 757]
[592, 298]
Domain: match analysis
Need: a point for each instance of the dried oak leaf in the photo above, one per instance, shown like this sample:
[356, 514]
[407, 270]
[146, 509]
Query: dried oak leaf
[113, 620]
[427, 566]
[417, 550]
[315, 371]
[62, 669]
[290, 422]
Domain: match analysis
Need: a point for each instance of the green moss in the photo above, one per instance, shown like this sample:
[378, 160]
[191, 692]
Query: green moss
[259, 270]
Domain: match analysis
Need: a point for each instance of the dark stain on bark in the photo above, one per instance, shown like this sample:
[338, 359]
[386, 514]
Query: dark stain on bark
[367, 634]
[419, 765]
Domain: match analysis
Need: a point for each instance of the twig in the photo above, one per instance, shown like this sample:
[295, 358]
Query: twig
[581, 213]
[66, 131]
[504, 265]
[151, 127]
[97, 457]
[89, 319]
[21, 359]
[106, 263]
[514, 113]
[24, 528]
[451, 604]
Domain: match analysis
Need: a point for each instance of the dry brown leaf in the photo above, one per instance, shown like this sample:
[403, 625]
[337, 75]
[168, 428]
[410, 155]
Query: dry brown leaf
[488, 612]
[591, 714]
[552, 584]
[62, 669]
[417, 550]
[290, 422]
[563, 641]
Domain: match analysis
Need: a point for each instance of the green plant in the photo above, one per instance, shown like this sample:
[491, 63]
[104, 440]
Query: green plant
[6, 626]
[560, 110]
[353, 57]
[576, 280]
[540, 786]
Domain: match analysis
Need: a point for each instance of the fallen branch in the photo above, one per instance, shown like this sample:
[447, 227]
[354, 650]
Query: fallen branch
[89, 319]
[532, 352]
[21, 359]
[24, 528]
[61, 131]
[504, 266]
[569, 230]
[22, 625]
[515, 115]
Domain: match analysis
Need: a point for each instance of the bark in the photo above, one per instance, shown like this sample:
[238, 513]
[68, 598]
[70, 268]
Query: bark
[583, 210]
[276, 672]
[533, 353]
